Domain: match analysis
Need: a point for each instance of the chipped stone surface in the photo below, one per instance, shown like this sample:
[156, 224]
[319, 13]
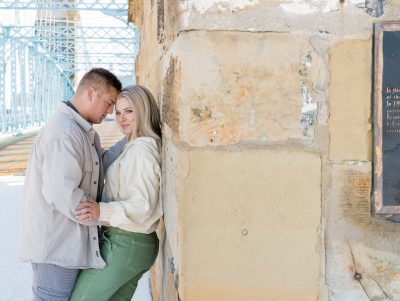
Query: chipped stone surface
[309, 106]
[357, 242]
[176, 167]
[375, 8]
[238, 87]
[353, 17]
[221, 5]
[164, 273]
[321, 46]
[171, 85]
[135, 12]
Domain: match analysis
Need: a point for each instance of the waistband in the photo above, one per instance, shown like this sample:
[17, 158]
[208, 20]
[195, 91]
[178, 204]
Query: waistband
[134, 235]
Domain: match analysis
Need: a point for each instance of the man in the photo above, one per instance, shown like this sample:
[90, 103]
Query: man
[64, 169]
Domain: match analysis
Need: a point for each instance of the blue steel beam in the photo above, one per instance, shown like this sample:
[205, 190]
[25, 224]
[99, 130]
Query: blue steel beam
[14, 102]
[2, 87]
[115, 6]
[38, 63]
[116, 38]
[57, 42]
[70, 32]
[45, 56]
[23, 98]
[27, 107]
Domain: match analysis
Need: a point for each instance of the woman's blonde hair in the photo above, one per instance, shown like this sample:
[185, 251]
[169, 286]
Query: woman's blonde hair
[148, 121]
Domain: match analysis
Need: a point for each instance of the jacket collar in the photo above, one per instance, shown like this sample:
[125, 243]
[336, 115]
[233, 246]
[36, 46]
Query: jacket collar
[64, 108]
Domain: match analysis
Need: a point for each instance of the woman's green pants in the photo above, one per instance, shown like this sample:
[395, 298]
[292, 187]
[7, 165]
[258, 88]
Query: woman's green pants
[128, 256]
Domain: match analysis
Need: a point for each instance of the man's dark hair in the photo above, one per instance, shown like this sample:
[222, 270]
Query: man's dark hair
[100, 76]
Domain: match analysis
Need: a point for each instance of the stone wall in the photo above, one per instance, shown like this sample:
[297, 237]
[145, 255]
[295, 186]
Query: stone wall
[267, 149]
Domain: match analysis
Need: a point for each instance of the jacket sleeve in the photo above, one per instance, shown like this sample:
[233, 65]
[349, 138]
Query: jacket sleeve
[113, 152]
[62, 174]
[139, 181]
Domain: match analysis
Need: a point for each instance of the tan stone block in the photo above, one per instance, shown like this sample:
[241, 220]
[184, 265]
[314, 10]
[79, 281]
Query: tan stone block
[249, 226]
[236, 86]
[135, 12]
[357, 242]
[148, 65]
[350, 100]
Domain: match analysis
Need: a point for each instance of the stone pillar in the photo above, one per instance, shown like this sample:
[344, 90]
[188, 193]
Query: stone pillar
[267, 143]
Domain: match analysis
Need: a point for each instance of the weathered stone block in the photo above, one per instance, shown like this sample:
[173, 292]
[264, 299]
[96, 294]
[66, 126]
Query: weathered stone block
[362, 251]
[236, 86]
[333, 17]
[163, 276]
[249, 225]
[350, 100]
[158, 270]
[135, 12]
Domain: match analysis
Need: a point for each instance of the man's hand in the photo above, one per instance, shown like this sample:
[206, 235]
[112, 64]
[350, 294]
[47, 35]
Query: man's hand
[88, 210]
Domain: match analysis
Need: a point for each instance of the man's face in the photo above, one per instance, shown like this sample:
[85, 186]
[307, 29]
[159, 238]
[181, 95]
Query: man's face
[102, 101]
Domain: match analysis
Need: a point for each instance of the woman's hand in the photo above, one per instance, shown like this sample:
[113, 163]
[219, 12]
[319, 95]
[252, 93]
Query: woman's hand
[89, 210]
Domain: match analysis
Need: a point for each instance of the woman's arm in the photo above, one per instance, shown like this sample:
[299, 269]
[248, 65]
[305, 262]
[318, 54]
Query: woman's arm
[138, 194]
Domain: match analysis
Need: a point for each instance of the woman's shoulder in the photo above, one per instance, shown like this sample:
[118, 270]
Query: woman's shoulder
[145, 147]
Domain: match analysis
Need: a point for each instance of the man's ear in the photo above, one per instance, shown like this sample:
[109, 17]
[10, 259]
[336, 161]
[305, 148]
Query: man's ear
[90, 93]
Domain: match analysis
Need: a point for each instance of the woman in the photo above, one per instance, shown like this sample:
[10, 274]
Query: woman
[130, 205]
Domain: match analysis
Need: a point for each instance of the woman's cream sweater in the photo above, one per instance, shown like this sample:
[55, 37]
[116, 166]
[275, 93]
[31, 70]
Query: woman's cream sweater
[130, 199]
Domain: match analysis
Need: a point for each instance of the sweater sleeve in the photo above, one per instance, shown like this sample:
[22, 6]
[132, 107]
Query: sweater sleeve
[62, 174]
[138, 195]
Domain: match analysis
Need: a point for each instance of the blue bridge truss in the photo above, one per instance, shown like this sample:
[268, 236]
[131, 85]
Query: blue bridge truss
[39, 62]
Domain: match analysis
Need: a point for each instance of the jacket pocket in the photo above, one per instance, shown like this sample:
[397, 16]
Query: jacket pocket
[87, 177]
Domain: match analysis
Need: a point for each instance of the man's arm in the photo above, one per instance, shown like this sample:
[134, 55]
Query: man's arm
[62, 174]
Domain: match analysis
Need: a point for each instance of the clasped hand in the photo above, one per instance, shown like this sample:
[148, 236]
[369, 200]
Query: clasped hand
[88, 210]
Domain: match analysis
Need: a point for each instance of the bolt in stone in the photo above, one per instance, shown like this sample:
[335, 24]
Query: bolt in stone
[357, 276]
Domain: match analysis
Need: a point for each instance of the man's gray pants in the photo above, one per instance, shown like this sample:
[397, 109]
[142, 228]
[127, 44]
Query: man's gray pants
[52, 282]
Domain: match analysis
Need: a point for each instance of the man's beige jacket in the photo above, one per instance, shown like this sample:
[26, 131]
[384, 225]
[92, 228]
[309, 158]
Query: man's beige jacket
[64, 168]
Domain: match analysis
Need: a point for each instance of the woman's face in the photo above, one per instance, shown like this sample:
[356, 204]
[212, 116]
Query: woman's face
[125, 114]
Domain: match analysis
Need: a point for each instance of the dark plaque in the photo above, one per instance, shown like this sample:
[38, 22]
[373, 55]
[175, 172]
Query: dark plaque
[387, 119]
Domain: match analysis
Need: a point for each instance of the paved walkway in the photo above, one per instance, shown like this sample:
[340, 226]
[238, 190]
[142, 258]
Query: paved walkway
[13, 158]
